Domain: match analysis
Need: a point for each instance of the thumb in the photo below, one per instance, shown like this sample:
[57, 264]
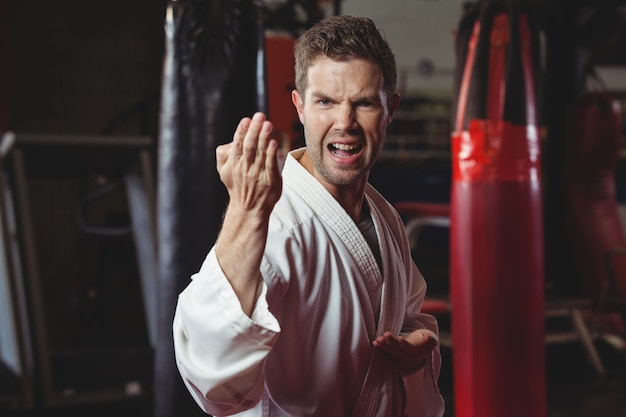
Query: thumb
[426, 338]
[432, 339]
[221, 155]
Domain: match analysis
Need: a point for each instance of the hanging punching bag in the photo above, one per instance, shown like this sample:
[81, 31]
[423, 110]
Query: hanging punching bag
[496, 229]
[213, 75]
[593, 217]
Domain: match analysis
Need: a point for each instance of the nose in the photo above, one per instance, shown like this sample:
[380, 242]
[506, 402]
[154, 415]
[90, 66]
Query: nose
[345, 118]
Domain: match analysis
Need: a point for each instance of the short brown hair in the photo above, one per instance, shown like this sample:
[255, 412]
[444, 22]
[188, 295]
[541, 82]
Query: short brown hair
[341, 38]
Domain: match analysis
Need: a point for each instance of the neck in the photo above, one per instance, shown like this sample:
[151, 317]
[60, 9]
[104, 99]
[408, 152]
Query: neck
[350, 196]
[351, 202]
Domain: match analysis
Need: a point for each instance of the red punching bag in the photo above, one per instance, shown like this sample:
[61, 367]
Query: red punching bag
[593, 218]
[496, 230]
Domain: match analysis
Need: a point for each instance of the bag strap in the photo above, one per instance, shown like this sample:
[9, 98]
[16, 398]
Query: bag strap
[527, 63]
[467, 76]
[499, 37]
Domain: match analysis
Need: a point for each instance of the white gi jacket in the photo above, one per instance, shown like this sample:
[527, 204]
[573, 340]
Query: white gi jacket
[307, 349]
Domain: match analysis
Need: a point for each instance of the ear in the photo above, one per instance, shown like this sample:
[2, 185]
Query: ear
[394, 103]
[298, 104]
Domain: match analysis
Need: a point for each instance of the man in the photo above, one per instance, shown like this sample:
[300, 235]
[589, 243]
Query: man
[309, 302]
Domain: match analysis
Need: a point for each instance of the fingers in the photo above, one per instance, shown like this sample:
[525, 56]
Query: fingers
[259, 142]
[248, 166]
[252, 137]
[386, 339]
[271, 157]
[264, 141]
[422, 339]
[410, 352]
[240, 133]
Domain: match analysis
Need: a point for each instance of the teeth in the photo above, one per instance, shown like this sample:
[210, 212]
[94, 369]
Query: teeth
[343, 147]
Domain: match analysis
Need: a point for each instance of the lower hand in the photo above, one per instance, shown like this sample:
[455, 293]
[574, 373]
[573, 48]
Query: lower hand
[408, 352]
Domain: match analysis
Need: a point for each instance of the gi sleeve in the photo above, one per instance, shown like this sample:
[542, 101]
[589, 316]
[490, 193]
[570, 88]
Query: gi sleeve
[220, 351]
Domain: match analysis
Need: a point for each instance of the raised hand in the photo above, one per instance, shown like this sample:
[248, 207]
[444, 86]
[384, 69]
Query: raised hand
[409, 352]
[248, 166]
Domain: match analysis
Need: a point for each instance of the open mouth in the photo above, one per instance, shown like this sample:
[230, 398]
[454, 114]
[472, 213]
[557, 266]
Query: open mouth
[343, 150]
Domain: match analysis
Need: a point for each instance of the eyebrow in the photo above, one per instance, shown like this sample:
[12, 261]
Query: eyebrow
[374, 98]
[319, 94]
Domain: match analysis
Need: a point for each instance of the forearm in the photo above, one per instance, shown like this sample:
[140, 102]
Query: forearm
[248, 167]
[239, 250]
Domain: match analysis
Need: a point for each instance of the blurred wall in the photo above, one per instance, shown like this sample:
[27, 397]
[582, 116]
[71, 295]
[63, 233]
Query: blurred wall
[81, 66]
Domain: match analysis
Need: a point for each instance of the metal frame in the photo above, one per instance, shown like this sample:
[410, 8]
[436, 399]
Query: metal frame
[16, 348]
[140, 195]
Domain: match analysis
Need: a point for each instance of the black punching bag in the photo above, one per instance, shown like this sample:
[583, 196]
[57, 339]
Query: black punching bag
[213, 75]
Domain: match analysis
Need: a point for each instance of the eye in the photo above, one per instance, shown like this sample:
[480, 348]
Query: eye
[324, 101]
[366, 103]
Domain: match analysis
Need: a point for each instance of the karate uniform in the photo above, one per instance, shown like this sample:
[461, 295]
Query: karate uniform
[307, 348]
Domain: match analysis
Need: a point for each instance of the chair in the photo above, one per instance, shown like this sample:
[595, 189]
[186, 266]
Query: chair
[612, 296]
[418, 215]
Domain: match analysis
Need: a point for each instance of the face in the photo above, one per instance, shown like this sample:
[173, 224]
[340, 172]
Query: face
[345, 113]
